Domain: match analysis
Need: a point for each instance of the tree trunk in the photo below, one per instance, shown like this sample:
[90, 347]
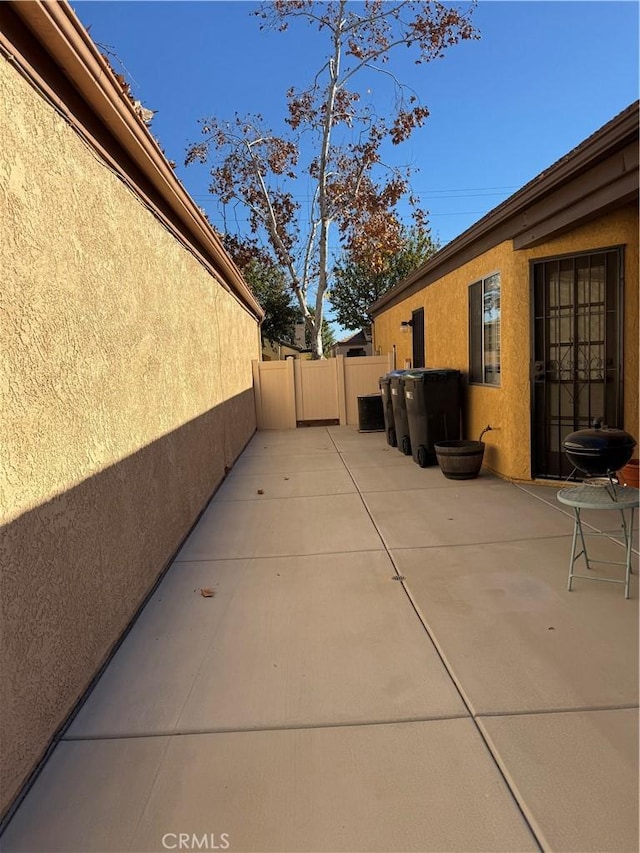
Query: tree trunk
[315, 334]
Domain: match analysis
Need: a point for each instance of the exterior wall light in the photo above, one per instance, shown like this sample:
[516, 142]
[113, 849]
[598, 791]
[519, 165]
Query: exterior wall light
[406, 323]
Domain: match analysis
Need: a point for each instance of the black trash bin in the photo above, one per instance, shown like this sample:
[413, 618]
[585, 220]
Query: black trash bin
[370, 413]
[387, 406]
[403, 442]
[432, 399]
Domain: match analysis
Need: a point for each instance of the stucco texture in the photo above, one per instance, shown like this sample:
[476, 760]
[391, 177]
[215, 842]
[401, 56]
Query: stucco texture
[507, 408]
[127, 390]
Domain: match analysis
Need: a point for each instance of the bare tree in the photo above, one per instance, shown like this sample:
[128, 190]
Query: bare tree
[352, 188]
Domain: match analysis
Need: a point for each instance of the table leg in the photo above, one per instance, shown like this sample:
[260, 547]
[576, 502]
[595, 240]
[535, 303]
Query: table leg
[628, 541]
[572, 559]
[584, 544]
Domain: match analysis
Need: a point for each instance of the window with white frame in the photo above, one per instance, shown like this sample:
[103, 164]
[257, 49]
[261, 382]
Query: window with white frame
[484, 330]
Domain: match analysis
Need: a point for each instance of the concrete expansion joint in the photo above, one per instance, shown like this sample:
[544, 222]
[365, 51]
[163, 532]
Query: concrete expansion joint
[293, 727]
[473, 716]
[264, 498]
[426, 547]
[227, 559]
[577, 709]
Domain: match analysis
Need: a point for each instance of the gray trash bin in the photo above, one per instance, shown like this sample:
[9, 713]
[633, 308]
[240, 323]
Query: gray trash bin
[387, 406]
[400, 411]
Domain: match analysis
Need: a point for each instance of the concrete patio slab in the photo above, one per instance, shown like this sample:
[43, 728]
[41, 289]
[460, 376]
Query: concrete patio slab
[428, 786]
[382, 455]
[305, 707]
[310, 525]
[391, 478]
[287, 463]
[349, 438]
[417, 787]
[311, 437]
[511, 633]
[576, 776]
[148, 681]
[295, 484]
[312, 441]
[461, 516]
[88, 799]
[192, 664]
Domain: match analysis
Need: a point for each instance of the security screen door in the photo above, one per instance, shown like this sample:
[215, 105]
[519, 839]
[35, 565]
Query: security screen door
[577, 375]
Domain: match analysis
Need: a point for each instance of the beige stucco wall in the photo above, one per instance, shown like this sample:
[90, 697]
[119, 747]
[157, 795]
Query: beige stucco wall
[507, 408]
[126, 390]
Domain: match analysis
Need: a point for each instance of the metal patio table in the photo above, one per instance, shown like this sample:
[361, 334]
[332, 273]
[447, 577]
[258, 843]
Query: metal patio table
[608, 497]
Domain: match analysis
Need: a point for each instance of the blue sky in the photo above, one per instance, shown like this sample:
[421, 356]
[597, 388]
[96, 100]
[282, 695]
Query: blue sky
[543, 76]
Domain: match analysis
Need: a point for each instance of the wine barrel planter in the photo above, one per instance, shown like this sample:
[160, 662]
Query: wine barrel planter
[460, 460]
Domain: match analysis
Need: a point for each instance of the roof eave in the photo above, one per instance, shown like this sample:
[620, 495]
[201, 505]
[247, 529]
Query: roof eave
[66, 41]
[615, 134]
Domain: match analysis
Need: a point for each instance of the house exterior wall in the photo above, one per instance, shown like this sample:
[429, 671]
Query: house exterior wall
[507, 408]
[274, 351]
[127, 390]
[343, 349]
[616, 229]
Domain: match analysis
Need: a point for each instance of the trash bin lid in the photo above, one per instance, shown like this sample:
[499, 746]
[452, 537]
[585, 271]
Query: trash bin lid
[398, 375]
[416, 374]
[424, 374]
[389, 376]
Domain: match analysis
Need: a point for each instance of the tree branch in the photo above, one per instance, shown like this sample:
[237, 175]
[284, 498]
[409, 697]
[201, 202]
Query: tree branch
[271, 224]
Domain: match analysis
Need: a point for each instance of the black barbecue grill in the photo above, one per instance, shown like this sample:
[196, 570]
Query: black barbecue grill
[600, 451]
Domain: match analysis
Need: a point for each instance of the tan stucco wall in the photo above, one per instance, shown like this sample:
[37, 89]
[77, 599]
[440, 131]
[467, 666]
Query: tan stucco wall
[126, 390]
[507, 408]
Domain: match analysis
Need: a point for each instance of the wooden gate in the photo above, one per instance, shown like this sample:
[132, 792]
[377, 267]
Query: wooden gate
[296, 391]
[316, 390]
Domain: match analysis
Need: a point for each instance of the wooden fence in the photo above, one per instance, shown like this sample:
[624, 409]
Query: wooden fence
[299, 391]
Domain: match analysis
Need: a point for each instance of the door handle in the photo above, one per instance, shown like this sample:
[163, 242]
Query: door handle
[538, 371]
